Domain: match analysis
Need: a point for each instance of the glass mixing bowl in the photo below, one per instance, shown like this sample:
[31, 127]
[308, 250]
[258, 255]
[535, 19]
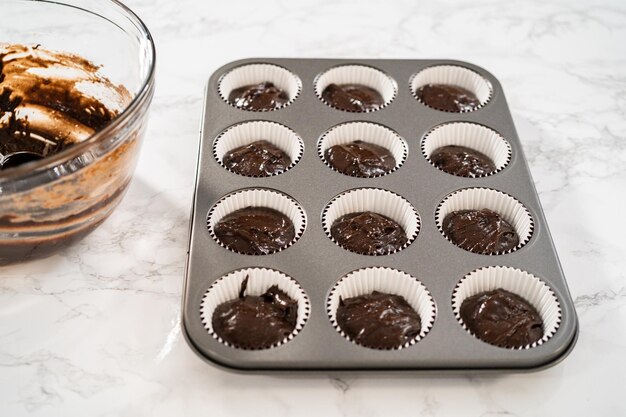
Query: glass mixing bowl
[45, 205]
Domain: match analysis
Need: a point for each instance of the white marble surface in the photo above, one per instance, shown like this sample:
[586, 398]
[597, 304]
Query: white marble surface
[95, 330]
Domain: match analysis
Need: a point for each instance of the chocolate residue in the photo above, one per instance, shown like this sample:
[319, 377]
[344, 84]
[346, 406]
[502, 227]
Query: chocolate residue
[502, 318]
[378, 320]
[50, 101]
[480, 231]
[256, 322]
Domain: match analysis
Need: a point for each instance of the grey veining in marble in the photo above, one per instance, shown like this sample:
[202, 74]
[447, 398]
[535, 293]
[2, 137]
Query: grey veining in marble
[95, 330]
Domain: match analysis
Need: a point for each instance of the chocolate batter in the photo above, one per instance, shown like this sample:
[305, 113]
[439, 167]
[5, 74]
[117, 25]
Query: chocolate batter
[448, 98]
[352, 97]
[48, 103]
[255, 230]
[256, 322]
[378, 320]
[262, 96]
[368, 233]
[480, 231]
[258, 159]
[502, 318]
[360, 159]
[462, 161]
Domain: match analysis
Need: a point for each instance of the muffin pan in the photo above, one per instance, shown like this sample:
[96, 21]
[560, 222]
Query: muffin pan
[436, 273]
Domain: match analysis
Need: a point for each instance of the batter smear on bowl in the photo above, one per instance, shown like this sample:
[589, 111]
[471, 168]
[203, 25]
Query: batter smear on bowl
[50, 101]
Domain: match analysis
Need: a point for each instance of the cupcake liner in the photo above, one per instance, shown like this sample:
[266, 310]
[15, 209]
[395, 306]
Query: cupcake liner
[358, 74]
[375, 200]
[245, 133]
[257, 197]
[456, 76]
[389, 281]
[506, 206]
[367, 132]
[252, 74]
[532, 289]
[228, 286]
[470, 135]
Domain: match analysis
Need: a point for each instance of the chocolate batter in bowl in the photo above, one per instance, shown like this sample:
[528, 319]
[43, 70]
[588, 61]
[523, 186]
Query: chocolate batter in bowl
[76, 82]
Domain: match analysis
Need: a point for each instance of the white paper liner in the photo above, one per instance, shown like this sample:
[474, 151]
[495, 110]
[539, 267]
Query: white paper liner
[506, 206]
[252, 74]
[358, 74]
[519, 282]
[245, 133]
[375, 200]
[366, 132]
[453, 75]
[260, 279]
[473, 136]
[389, 281]
[257, 197]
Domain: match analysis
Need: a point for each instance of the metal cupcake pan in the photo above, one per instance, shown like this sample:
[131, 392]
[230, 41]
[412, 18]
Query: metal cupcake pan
[316, 263]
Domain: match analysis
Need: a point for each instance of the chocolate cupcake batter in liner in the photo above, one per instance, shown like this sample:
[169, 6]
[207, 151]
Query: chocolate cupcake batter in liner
[370, 133]
[391, 282]
[520, 283]
[259, 281]
[377, 201]
[264, 199]
[357, 75]
[247, 133]
[468, 135]
[454, 76]
[508, 208]
[284, 83]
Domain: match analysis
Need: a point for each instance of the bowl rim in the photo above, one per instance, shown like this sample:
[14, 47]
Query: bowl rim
[37, 167]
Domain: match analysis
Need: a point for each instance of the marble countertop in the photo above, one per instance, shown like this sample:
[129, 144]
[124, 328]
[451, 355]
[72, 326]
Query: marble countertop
[95, 330]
